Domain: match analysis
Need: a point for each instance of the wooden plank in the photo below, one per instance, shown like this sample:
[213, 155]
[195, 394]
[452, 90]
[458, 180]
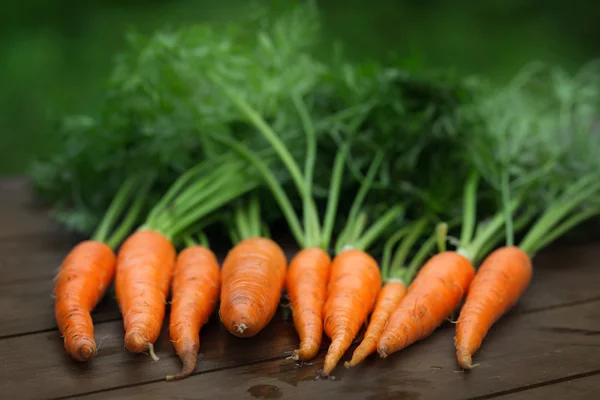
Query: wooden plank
[26, 303]
[520, 351]
[586, 387]
[20, 215]
[36, 257]
[27, 307]
[39, 361]
[563, 274]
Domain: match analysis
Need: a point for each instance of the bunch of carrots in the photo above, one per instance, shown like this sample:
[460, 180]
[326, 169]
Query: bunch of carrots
[349, 177]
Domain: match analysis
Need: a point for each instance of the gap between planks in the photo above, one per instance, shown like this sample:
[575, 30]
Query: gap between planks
[536, 385]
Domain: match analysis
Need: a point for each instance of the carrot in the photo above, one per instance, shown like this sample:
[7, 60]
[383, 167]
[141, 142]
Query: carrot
[558, 174]
[196, 286]
[252, 278]
[441, 284]
[312, 236]
[307, 279]
[355, 280]
[390, 296]
[84, 276]
[307, 290]
[432, 297]
[354, 285]
[506, 273]
[145, 265]
[498, 284]
[396, 278]
[88, 270]
[146, 260]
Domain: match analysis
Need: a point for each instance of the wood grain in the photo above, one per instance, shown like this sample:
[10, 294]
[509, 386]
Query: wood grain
[20, 215]
[36, 366]
[521, 351]
[582, 388]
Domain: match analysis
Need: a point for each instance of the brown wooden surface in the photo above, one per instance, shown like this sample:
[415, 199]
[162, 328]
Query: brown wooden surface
[547, 347]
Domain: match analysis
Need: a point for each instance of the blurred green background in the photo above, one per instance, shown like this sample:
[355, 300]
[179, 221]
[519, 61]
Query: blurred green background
[56, 55]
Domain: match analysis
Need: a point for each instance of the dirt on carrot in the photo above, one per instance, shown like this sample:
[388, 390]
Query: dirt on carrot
[83, 277]
[252, 277]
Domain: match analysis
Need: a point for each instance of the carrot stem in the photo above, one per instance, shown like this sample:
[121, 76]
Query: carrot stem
[271, 181]
[469, 210]
[365, 186]
[311, 218]
[508, 222]
[441, 231]
[388, 248]
[399, 260]
[419, 258]
[129, 221]
[518, 224]
[333, 198]
[265, 231]
[174, 190]
[378, 228]
[557, 211]
[230, 192]
[562, 228]
[116, 207]
[189, 242]
[264, 128]
[241, 224]
[248, 222]
[233, 234]
[483, 237]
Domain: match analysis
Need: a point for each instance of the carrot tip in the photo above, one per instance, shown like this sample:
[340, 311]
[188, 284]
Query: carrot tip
[382, 351]
[241, 328]
[85, 352]
[152, 353]
[347, 364]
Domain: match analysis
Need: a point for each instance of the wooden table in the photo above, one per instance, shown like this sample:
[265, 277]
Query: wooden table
[547, 347]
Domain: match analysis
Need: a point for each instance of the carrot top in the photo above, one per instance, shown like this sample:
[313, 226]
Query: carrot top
[196, 195]
[535, 145]
[395, 262]
[110, 231]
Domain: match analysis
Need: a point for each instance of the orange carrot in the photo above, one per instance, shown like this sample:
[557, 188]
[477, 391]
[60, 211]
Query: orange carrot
[389, 297]
[144, 271]
[306, 285]
[83, 278]
[397, 273]
[353, 288]
[196, 285]
[435, 293]
[252, 279]
[498, 284]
